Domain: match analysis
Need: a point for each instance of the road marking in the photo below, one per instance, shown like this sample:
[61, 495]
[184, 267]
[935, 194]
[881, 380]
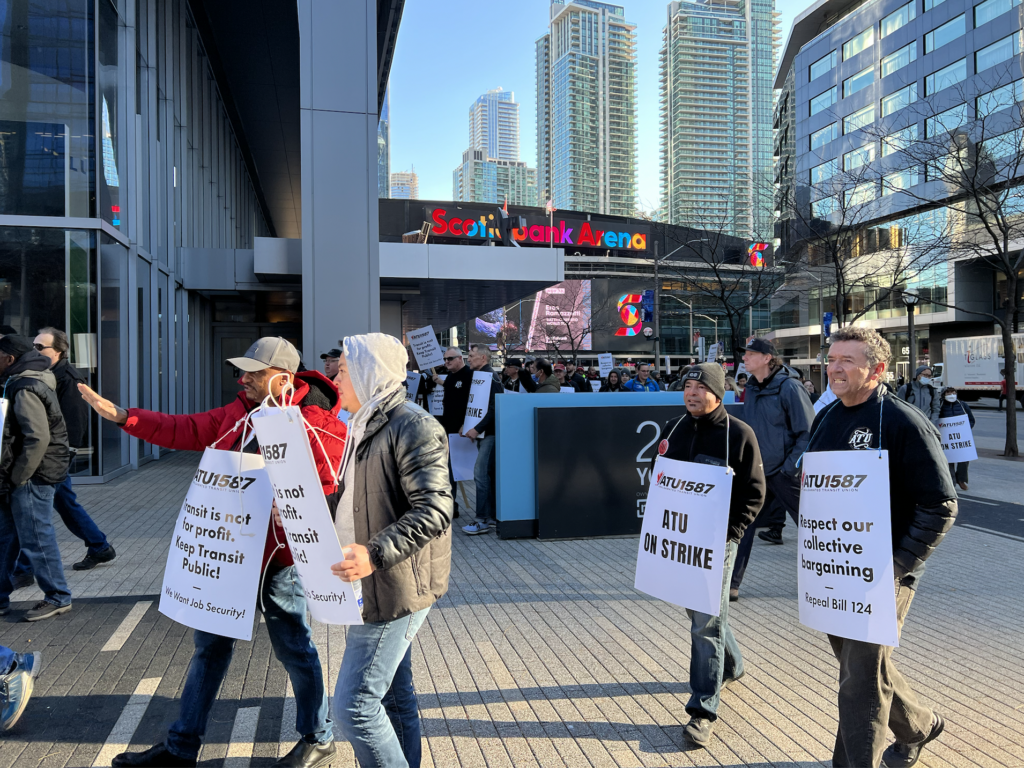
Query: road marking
[243, 734]
[127, 626]
[994, 533]
[979, 501]
[121, 735]
[288, 732]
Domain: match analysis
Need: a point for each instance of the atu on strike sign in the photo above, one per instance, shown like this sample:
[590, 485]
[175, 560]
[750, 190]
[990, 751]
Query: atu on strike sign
[846, 577]
[685, 529]
[957, 439]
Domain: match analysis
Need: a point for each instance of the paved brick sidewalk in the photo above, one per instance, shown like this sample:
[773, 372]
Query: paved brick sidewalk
[541, 654]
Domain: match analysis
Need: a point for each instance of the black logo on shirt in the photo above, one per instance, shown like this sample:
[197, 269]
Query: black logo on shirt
[861, 439]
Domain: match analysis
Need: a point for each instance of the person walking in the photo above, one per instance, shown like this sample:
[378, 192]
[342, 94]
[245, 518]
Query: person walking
[52, 344]
[779, 411]
[548, 383]
[1002, 389]
[454, 400]
[922, 506]
[18, 672]
[922, 394]
[33, 462]
[643, 381]
[270, 367]
[613, 383]
[952, 407]
[707, 435]
[394, 520]
[484, 434]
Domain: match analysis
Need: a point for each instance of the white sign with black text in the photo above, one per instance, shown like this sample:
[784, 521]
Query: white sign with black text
[479, 400]
[436, 402]
[846, 579]
[425, 348]
[213, 566]
[412, 385]
[685, 529]
[605, 364]
[957, 439]
[308, 527]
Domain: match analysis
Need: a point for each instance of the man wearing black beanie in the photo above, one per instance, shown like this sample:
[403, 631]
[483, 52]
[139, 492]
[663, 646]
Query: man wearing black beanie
[706, 435]
[33, 460]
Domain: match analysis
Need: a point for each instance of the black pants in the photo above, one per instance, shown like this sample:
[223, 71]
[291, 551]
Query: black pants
[959, 471]
[874, 698]
[782, 496]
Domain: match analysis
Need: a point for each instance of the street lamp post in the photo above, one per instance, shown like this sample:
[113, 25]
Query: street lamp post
[657, 299]
[910, 300]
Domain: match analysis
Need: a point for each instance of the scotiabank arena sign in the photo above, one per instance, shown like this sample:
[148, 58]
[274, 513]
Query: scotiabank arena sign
[592, 234]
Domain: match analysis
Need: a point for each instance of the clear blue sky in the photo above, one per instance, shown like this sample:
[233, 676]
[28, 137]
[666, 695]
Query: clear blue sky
[451, 51]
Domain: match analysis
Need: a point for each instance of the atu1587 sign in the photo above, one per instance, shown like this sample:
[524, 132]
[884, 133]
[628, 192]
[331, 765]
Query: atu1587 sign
[846, 576]
[308, 528]
[213, 566]
[685, 529]
[957, 439]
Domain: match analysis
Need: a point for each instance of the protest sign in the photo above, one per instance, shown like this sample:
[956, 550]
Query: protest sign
[412, 385]
[425, 348]
[308, 527]
[605, 364]
[437, 398]
[595, 385]
[846, 576]
[566, 390]
[685, 529]
[957, 439]
[463, 453]
[479, 400]
[213, 566]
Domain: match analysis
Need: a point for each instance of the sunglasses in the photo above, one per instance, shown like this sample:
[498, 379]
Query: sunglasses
[449, 359]
[41, 347]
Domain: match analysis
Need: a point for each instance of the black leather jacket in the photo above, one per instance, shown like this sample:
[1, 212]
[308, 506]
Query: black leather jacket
[402, 505]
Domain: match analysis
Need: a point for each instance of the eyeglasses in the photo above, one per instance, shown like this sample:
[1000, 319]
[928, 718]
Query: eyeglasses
[41, 347]
[449, 359]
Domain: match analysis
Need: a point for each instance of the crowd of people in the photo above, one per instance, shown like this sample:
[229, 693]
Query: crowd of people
[389, 485]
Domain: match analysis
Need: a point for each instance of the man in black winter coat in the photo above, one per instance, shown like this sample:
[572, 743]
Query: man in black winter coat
[456, 397]
[922, 502]
[34, 459]
[484, 433]
[52, 343]
[703, 436]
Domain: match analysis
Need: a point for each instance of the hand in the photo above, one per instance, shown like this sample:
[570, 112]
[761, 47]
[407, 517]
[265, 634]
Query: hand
[276, 514]
[472, 434]
[103, 407]
[356, 565]
[436, 378]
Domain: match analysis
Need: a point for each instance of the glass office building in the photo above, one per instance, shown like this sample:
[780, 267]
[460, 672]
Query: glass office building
[115, 153]
[859, 84]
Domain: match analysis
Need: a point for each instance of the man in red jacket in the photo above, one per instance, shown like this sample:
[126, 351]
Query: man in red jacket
[270, 367]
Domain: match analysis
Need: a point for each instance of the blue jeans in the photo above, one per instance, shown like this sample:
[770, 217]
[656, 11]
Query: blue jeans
[714, 653]
[285, 612]
[6, 659]
[374, 701]
[75, 518]
[483, 477]
[26, 523]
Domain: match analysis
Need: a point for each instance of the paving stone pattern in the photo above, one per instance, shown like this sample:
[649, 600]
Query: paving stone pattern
[541, 654]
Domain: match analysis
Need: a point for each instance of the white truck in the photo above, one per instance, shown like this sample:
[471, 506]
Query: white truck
[973, 366]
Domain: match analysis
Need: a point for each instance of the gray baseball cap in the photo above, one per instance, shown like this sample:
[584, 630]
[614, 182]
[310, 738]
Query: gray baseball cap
[268, 352]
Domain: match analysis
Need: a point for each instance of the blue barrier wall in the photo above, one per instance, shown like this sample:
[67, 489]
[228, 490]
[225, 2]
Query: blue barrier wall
[517, 444]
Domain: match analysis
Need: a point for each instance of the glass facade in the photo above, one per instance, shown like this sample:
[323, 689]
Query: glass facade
[90, 240]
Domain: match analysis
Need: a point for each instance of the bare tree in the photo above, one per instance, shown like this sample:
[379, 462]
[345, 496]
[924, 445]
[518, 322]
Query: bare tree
[563, 319]
[714, 269]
